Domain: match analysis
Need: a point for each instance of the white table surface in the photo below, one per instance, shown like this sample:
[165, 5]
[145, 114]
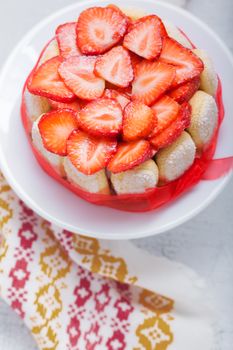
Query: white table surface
[206, 242]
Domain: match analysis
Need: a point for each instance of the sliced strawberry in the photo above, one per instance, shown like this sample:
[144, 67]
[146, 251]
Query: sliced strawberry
[55, 127]
[184, 92]
[121, 98]
[125, 91]
[138, 122]
[145, 38]
[89, 154]
[152, 79]
[115, 67]
[66, 38]
[130, 154]
[77, 73]
[102, 117]
[99, 29]
[174, 130]
[135, 60]
[116, 8]
[46, 81]
[166, 110]
[187, 64]
[162, 28]
[60, 105]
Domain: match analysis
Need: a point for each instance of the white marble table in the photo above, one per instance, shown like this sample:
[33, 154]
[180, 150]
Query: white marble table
[204, 243]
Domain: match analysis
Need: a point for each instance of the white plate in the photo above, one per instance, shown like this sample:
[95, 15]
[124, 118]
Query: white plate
[55, 203]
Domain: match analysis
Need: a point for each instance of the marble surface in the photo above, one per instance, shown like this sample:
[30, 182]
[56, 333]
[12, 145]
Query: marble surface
[206, 242]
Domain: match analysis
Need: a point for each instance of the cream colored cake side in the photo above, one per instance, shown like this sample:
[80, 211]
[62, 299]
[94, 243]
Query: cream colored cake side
[175, 159]
[96, 183]
[204, 118]
[37, 105]
[208, 78]
[136, 180]
[51, 51]
[55, 160]
[176, 34]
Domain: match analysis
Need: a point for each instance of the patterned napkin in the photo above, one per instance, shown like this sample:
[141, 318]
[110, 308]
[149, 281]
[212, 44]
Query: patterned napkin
[80, 293]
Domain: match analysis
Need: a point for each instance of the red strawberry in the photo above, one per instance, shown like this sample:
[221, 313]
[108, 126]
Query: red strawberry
[135, 60]
[145, 38]
[116, 8]
[121, 98]
[66, 38]
[184, 92]
[162, 28]
[138, 122]
[60, 105]
[55, 128]
[77, 73]
[89, 154]
[187, 64]
[174, 130]
[152, 79]
[125, 91]
[130, 154]
[102, 117]
[115, 67]
[166, 110]
[98, 29]
[46, 81]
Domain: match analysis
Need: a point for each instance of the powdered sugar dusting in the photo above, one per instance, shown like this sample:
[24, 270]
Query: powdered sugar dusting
[95, 183]
[174, 160]
[209, 78]
[136, 180]
[204, 118]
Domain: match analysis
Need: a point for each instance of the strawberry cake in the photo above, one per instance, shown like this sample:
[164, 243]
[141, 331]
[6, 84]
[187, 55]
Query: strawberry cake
[119, 105]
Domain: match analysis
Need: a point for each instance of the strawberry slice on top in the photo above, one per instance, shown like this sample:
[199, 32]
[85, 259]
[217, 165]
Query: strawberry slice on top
[115, 67]
[45, 81]
[55, 128]
[130, 154]
[66, 38]
[166, 110]
[135, 60]
[186, 63]
[102, 117]
[89, 154]
[116, 8]
[174, 130]
[184, 92]
[145, 38]
[162, 28]
[152, 79]
[77, 73]
[120, 97]
[99, 29]
[74, 106]
[138, 122]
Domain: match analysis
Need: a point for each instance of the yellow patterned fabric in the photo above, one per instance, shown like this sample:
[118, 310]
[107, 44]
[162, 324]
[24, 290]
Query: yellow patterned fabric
[79, 293]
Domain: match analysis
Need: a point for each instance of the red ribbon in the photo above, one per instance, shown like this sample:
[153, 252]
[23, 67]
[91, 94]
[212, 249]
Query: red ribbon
[204, 167]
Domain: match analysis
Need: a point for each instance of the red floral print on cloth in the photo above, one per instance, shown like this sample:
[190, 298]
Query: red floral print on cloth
[74, 330]
[124, 308]
[19, 274]
[102, 298]
[70, 307]
[82, 292]
[116, 342]
[92, 337]
[27, 235]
